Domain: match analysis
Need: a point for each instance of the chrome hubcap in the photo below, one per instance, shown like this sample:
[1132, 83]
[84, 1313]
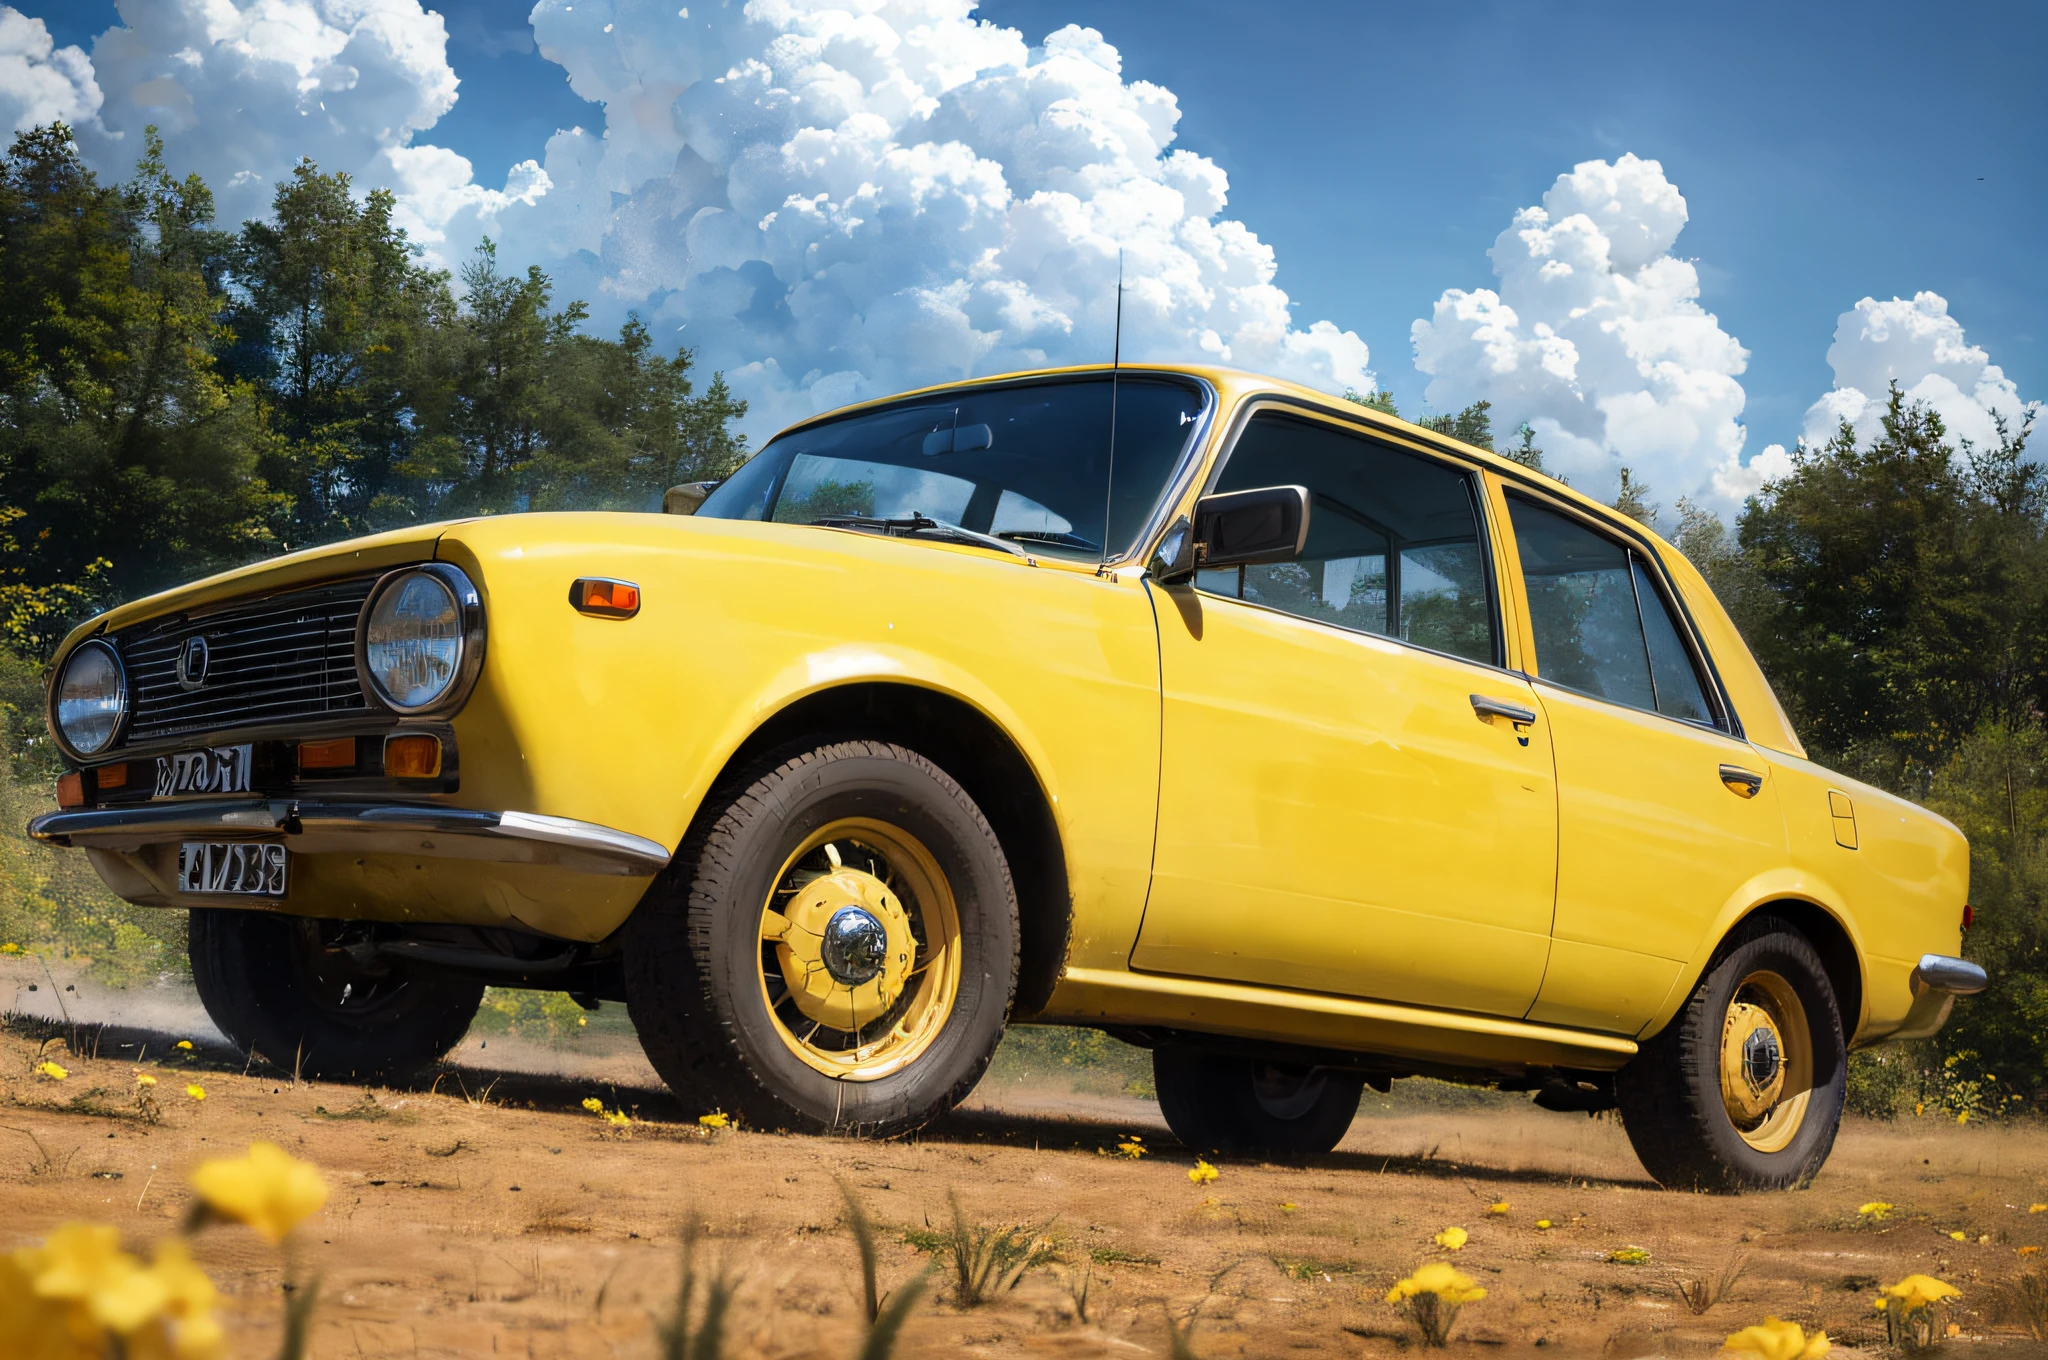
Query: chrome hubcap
[854, 947]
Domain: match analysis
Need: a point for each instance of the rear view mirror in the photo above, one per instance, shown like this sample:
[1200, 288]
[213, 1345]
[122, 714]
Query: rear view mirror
[684, 499]
[1244, 528]
[959, 439]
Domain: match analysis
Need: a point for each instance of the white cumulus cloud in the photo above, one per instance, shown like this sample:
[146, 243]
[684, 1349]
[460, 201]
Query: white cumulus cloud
[242, 89]
[41, 82]
[835, 199]
[1595, 338]
[1918, 345]
[828, 199]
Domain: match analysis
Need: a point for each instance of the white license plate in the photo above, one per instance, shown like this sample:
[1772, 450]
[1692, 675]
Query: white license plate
[231, 867]
[217, 769]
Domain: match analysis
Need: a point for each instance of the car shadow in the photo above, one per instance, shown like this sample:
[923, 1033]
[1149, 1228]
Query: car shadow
[979, 1124]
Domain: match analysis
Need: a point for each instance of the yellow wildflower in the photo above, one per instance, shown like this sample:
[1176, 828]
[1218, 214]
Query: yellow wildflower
[1452, 1239]
[1963, 1117]
[2028, 1251]
[1288, 1206]
[1202, 1173]
[1920, 1291]
[1628, 1256]
[270, 1190]
[593, 1104]
[1959, 1236]
[10, 948]
[185, 1044]
[2037, 1208]
[1876, 1209]
[52, 1070]
[1132, 1148]
[62, 1299]
[196, 1091]
[1544, 1225]
[717, 1119]
[1441, 1279]
[1773, 1339]
[1499, 1208]
[619, 1119]
[144, 1079]
[582, 1021]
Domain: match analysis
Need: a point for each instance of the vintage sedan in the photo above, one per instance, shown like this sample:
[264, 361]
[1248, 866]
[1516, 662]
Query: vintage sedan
[1305, 747]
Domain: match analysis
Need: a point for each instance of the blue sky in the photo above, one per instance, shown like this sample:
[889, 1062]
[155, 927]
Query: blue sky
[1825, 153]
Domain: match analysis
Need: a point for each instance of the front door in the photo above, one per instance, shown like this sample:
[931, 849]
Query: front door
[1336, 813]
[1659, 823]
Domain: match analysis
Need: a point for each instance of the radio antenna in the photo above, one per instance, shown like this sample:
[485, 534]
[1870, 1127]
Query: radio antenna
[1116, 359]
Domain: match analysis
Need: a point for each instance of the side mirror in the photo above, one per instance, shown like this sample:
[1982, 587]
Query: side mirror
[1245, 528]
[684, 499]
[1173, 561]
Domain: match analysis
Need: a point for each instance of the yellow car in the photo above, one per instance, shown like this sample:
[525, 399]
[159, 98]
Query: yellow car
[1304, 746]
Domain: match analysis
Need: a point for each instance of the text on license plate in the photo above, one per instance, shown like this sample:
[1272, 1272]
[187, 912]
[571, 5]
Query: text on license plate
[217, 769]
[231, 867]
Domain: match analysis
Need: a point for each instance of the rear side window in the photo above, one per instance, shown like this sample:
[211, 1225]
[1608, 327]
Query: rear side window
[1393, 540]
[1601, 625]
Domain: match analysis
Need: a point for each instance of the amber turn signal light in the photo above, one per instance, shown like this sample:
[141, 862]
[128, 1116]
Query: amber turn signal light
[604, 598]
[412, 755]
[110, 777]
[70, 790]
[339, 754]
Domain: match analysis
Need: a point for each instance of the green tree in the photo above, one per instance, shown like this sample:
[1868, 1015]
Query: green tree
[119, 438]
[1902, 589]
[342, 329]
[1633, 500]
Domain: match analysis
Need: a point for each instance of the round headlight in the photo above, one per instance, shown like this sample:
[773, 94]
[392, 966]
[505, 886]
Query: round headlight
[413, 641]
[92, 698]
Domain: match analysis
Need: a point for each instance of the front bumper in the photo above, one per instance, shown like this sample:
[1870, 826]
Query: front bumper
[1937, 980]
[325, 826]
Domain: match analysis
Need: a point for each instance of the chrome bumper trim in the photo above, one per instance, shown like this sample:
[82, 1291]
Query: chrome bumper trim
[1941, 973]
[463, 833]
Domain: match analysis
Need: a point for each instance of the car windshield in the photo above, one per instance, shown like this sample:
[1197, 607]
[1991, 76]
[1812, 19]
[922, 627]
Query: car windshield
[1026, 464]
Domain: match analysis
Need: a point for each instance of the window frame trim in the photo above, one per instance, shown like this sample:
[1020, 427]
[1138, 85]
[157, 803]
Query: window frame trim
[1472, 472]
[1636, 544]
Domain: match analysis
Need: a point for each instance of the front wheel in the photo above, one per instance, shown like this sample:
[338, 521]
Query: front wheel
[1246, 1106]
[1743, 1090]
[836, 946]
[288, 989]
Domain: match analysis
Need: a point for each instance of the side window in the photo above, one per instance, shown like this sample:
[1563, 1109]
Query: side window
[1601, 626]
[1393, 538]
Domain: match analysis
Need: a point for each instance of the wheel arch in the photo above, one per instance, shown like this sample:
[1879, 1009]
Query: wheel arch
[988, 763]
[1822, 926]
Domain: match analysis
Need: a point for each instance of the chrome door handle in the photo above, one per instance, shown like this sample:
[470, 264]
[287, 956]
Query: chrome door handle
[1518, 714]
[1740, 782]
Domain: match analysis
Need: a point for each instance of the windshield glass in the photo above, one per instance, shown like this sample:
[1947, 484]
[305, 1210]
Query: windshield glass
[1027, 463]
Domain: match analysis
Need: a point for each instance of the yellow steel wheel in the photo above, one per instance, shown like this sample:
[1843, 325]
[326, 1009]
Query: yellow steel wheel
[860, 949]
[1766, 1062]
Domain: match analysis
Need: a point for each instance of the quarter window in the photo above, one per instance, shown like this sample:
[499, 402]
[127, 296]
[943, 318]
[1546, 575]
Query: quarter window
[1601, 625]
[1393, 540]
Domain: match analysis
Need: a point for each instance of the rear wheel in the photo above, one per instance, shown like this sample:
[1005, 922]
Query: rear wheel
[288, 989]
[1247, 1106]
[835, 948]
[1743, 1090]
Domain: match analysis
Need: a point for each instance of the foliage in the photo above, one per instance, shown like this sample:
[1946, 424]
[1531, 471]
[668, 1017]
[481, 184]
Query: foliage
[990, 1259]
[176, 398]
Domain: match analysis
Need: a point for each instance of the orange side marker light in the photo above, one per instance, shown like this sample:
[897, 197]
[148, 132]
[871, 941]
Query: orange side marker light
[603, 598]
[70, 790]
[110, 777]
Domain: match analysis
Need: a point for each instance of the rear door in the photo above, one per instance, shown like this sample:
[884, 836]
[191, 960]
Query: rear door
[1335, 814]
[1664, 812]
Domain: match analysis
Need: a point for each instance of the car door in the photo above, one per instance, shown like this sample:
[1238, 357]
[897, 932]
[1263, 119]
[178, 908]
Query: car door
[1336, 814]
[1664, 812]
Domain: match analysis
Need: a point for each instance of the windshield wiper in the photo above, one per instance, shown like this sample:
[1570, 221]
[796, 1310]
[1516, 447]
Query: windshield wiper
[916, 523]
[1051, 538]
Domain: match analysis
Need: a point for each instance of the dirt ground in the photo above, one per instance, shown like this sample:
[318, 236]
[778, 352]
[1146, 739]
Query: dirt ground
[485, 1212]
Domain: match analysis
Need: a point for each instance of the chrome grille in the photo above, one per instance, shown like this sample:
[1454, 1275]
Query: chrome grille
[282, 658]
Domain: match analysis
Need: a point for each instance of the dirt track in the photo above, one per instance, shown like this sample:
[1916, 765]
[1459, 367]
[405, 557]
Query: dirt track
[490, 1214]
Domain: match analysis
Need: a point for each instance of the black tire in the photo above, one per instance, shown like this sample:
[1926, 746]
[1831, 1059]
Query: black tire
[1671, 1093]
[699, 984]
[273, 989]
[1243, 1106]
